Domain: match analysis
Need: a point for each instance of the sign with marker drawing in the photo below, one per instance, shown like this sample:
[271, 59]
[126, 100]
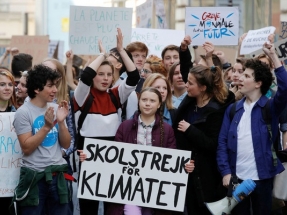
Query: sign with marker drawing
[219, 25]
[90, 24]
[10, 155]
[134, 174]
[255, 39]
[144, 14]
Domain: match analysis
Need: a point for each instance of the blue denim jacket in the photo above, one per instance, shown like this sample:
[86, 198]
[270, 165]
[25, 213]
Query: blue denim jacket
[227, 142]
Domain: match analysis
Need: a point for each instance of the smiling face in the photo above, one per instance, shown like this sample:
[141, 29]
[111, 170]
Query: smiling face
[104, 78]
[148, 103]
[48, 94]
[6, 88]
[22, 89]
[161, 86]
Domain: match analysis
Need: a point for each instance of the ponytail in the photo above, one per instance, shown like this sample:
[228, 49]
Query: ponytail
[212, 78]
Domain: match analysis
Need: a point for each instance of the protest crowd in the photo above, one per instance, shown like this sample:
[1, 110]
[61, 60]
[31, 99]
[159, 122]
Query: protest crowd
[231, 117]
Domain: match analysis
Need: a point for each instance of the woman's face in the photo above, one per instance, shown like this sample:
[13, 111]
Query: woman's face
[148, 103]
[104, 78]
[161, 86]
[193, 89]
[22, 90]
[237, 72]
[6, 88]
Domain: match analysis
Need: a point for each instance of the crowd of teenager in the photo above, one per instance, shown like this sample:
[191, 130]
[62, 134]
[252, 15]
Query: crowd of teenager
[207, 106]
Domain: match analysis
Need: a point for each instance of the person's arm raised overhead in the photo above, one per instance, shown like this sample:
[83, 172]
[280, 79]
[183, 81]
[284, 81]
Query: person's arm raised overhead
[69, 70]
[185, 57]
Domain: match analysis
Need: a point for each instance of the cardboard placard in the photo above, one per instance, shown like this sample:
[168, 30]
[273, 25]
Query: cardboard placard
[134, 174]
[90, 24]
[144, 14]
[157, 39]
[10, 155]
[219, 25]
[255, 39]
[37, 46]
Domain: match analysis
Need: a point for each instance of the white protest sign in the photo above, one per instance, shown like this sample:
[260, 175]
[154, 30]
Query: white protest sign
[134, 174]
[219, 25]
[90, 24]
[255, 39]
[144, 14]
[157, 39]
[280, 47]
[10, 155]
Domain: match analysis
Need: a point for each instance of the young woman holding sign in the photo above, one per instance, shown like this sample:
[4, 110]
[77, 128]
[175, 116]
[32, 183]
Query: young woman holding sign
[146, 128]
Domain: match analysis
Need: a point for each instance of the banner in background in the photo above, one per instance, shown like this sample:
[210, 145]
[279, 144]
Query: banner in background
[144, 14]
[157, 39]
[134, 174]
[10, 155]
[255, 39]
[37, 46]
[90, 24]
[219, 25]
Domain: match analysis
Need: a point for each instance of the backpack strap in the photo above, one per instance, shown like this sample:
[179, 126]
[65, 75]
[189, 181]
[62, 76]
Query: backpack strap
[114, 100]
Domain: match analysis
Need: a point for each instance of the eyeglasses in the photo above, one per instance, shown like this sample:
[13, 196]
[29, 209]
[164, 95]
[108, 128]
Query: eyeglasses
[114, 56]
[146, 71]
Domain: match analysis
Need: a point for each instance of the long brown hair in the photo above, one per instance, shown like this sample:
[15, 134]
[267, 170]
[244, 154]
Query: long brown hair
[159, 110]
[212, 78]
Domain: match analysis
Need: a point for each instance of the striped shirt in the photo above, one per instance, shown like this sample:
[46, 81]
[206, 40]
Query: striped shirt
[144, 136]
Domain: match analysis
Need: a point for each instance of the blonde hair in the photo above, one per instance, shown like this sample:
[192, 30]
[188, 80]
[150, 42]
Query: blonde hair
[62, 93]
[149, 82]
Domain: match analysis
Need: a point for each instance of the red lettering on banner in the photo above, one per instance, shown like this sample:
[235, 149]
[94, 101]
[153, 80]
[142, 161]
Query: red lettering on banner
[208, 16]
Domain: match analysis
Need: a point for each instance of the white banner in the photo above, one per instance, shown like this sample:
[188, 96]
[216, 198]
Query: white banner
[144, 14]
[255, 39]
[10, 155]
[134, 174]
[280, 47]
[90, 24]
[157, 39]
[160, 14]
[219, 25]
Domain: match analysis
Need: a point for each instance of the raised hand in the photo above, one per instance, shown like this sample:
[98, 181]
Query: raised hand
[209, 49]
[69, 55]
[14, 51]
[221, 56]
[185, 42]
[120, 39]
[101, 47]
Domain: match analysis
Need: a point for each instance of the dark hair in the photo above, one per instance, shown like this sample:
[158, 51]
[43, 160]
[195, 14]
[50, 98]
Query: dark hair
[212, 78]
[215, 59]
[169, 47]
[159, 110]
[119, 58]
[20, 63]
[261, 73]
[171, 72]
[137, 46]
[242, 61]
[37, 78]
